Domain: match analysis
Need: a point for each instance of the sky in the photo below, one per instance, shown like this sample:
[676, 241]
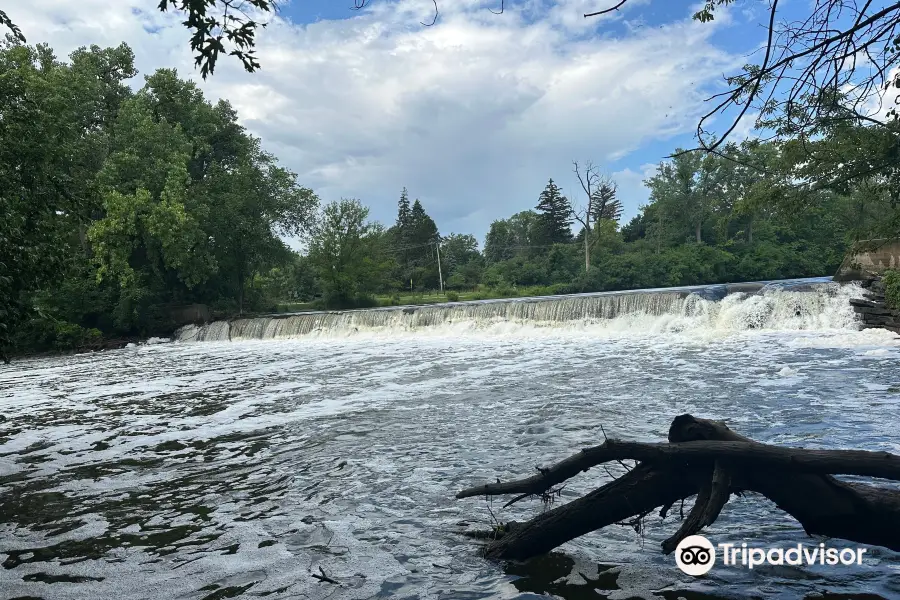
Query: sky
[472, 115]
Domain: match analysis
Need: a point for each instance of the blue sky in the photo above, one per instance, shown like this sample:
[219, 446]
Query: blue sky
[472, 115]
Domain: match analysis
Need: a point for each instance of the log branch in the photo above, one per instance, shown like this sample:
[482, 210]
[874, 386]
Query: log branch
[740, 454]
[706, 458]
[707, 506]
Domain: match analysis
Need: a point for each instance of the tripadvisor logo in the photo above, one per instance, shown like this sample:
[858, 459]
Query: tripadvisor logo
[696, 555]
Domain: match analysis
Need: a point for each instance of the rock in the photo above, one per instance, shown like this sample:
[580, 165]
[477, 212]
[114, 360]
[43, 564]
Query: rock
[863, 303]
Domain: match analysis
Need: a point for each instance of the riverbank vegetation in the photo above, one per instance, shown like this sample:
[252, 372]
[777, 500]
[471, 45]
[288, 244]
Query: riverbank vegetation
[123, 203]
[891, 281]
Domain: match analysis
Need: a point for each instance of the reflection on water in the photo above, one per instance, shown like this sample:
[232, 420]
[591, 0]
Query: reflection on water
[274, 469]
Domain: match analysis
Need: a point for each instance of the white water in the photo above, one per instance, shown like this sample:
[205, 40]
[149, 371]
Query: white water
[820, 306]
[194, 471]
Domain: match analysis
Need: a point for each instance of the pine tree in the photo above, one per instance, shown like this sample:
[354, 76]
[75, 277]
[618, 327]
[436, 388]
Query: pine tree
[556, 215]
[605, 204]
[423, 229]
[401, 234]
[403, 212]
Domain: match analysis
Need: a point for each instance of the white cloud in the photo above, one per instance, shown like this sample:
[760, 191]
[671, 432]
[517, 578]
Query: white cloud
[472, 115]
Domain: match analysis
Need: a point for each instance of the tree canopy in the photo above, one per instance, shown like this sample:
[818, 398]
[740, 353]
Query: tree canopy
[131, 200]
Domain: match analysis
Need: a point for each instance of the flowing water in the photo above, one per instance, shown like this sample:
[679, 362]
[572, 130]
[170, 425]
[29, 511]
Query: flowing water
[334, 444]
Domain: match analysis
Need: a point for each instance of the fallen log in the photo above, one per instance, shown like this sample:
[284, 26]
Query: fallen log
[707, 459]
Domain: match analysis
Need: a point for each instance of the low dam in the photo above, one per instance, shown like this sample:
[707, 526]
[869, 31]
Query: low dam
[788, 304]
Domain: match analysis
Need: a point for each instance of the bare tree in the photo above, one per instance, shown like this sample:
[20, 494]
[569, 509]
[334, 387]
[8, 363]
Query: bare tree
[600, 191]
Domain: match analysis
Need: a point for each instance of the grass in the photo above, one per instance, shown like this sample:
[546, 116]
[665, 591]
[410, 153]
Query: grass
[435, 297]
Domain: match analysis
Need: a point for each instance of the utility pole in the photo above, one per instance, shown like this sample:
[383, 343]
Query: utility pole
[440, 275]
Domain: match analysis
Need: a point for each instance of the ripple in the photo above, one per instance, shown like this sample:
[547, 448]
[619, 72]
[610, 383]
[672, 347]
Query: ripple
[231, 470]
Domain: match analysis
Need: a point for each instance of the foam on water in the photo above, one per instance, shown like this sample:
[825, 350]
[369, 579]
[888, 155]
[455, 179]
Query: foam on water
[820, 306]
[189, 471]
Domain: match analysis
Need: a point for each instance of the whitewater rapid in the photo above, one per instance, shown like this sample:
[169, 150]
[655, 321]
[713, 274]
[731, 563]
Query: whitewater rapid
[809, 305]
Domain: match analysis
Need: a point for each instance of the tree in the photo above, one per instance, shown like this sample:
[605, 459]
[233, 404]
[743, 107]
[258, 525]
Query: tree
[423, 238]
[606, 205]
[423, 229]
[54, 126]
[461, 260]
[832, 66]
[192, 206]
[257, 202]
[556, 215]
[707, 459]
[215, 25]
[686, 190]
[508, 237]
[404, 214]
[348, 252]
[600, 193]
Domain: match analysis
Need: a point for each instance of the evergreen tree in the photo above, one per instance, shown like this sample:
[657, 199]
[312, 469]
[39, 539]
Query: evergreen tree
[399, 236]
[424, 233]
[555, 218]
[403, 212]
[605, 204]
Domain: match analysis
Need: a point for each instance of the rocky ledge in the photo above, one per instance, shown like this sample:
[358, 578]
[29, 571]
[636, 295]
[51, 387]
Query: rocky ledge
[873, 309]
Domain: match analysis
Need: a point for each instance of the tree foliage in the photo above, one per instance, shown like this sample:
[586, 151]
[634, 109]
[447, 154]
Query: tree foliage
[556, 215]
[131, 201]
[349, 252]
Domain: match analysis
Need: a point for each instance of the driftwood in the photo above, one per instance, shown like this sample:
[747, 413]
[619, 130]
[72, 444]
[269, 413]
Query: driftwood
[707, 459]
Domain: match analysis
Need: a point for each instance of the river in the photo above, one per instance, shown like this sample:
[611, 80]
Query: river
[220, 469]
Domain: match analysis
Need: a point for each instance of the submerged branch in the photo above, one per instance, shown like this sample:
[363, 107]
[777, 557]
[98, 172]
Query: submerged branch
[741, 454]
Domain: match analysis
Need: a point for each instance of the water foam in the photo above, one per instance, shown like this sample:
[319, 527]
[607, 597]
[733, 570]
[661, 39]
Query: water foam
[818, 306]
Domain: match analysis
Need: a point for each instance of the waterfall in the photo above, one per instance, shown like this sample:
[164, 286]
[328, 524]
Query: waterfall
[811, 304]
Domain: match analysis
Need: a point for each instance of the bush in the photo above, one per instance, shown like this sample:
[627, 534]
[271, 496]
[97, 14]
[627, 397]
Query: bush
[339, 301]
[891, 281]
[504, 291]
[72, 337]
[452, 297]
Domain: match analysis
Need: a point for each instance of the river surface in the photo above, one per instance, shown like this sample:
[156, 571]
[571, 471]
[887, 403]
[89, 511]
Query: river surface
[242, 469]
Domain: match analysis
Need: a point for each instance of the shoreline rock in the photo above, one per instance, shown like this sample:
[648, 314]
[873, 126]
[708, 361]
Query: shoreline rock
[873, 308]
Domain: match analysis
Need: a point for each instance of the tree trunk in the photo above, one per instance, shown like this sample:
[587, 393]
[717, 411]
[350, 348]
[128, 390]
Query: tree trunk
[750, 231]
[697, 231]
[240, 276]
[708, 459]
[587, 250]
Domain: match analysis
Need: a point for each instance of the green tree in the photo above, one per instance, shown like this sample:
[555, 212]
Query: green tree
[555, 215]
[508, 237]
[349, 253]
[461, 261]
[256, 202]
[54, 125]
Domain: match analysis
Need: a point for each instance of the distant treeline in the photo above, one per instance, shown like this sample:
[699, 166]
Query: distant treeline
[118, 205]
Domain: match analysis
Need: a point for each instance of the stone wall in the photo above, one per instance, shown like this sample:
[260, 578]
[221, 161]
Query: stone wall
[869, 259]
[873, 310]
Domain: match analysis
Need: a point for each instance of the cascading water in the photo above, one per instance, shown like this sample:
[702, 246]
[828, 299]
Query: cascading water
[785, 305]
